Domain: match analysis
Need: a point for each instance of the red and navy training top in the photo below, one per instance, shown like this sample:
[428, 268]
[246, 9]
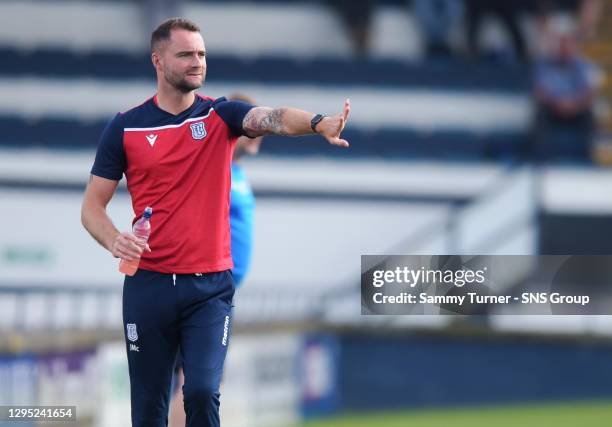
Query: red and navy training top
[181, 166]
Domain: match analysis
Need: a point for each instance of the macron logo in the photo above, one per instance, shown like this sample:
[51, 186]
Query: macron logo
[225, 331]
[152, 138]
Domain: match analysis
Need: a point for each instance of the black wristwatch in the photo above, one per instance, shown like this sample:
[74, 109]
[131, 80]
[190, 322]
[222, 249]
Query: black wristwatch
[315, 121]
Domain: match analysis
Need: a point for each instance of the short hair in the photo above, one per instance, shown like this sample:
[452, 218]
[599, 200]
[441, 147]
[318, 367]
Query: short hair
[164, 30]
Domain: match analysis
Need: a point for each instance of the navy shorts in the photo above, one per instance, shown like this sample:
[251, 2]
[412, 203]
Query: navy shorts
[165, 312]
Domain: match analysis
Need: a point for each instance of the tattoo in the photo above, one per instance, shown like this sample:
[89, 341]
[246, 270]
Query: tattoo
[262, 121]
[274, 121]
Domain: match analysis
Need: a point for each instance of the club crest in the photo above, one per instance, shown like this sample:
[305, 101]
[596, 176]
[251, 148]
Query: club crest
[198, 131]
[132, 334]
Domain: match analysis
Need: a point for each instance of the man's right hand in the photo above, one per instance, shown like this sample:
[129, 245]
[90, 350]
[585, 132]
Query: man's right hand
[331, 127]
[127, 246]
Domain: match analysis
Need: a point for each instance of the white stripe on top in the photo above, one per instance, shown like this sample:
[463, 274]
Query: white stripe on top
[192, 119]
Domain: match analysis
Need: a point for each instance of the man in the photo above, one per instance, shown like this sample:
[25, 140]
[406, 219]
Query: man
[507, 12]
[437, 19]
[175, 151]
[565, 90]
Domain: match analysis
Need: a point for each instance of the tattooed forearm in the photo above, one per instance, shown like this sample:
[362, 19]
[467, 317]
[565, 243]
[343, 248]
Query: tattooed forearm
[263, 120]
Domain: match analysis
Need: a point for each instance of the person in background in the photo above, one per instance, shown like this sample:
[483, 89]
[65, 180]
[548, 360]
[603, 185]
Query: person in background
[242, 202]
[508, 14]
[565, 88]
[590, 13]
[156, 11]
[586, 12]
[356, 15]
[437, 18]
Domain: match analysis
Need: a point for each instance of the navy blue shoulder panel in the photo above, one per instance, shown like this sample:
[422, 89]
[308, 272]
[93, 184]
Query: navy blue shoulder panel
[232, 113]
[110, 162]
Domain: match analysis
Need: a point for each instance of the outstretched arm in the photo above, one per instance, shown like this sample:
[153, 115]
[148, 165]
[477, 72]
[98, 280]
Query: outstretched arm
[295, 122]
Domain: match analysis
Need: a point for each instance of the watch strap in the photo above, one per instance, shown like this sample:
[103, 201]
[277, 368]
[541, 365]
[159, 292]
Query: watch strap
[315, 121]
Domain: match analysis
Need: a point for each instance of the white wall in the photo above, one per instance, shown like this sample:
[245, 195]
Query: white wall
[315, 242]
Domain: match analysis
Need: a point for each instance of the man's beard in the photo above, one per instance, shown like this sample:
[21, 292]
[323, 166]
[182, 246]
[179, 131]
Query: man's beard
[182, 84]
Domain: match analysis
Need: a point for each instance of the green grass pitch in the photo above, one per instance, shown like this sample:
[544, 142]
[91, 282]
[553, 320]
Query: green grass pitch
[596, 414]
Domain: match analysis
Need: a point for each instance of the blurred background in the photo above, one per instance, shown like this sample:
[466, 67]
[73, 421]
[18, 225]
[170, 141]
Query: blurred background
[477, 127]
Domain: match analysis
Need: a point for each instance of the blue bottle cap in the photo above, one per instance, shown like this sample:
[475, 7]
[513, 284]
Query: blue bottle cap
[148, 212]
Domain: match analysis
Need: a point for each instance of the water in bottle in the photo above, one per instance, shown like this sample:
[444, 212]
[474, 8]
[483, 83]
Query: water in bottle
[142, 230]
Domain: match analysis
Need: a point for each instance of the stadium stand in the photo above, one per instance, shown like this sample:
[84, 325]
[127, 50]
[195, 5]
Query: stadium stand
[438, 164]
[414, 109]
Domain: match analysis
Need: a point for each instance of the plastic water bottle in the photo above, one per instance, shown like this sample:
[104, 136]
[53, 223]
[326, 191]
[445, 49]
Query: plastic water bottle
[142, 230]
